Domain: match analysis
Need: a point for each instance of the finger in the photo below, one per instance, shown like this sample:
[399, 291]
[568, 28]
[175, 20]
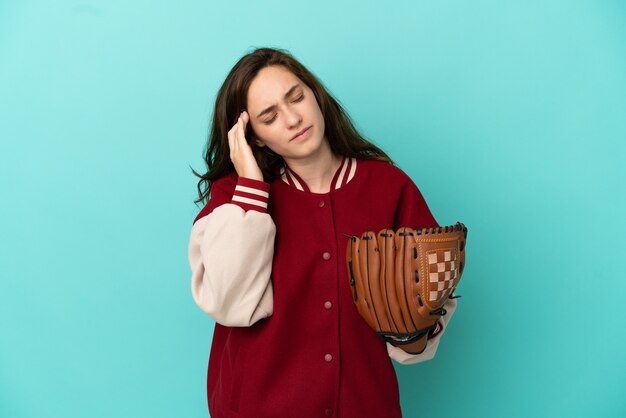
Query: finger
[373, 269]
[368, 278]
[235, 139]
[233, 128]
[244, 124]
[231, 136]
[246, 119]
[239, 127]
[387, 276]
[231, 145]
[241, 133]
[360, 274]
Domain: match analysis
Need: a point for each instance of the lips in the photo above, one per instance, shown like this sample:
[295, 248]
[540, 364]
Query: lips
[301, 132]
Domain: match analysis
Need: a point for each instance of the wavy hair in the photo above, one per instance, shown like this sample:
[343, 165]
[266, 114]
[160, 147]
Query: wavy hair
[231, 100]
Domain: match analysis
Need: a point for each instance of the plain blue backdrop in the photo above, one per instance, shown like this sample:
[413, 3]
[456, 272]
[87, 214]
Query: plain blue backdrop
[509, 116]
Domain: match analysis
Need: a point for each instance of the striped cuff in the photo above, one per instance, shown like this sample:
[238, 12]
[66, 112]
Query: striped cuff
[251, 194]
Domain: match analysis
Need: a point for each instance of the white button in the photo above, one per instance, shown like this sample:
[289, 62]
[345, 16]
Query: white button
[328, 412]
[328, 358]
[321, 204]
[328, 304]
[326, 256]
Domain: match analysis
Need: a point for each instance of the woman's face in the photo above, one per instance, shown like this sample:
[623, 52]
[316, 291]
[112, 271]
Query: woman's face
[281, 106]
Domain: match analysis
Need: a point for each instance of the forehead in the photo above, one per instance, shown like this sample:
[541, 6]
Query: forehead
[270, 85]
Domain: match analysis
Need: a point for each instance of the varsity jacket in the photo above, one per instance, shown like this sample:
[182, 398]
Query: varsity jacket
[268, 265]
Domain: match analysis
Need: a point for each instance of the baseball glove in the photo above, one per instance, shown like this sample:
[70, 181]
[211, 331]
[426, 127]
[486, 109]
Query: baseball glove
[400, 281]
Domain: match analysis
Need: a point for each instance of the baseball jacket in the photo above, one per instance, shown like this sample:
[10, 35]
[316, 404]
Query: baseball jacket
[268, 265]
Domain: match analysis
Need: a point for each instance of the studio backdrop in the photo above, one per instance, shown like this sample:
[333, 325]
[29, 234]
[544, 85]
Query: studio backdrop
[509, 116]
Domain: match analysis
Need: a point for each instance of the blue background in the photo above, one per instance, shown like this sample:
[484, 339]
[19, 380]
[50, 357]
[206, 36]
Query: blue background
[509, 116]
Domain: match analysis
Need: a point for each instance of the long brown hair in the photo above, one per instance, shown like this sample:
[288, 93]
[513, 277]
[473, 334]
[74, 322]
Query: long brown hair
[231, 100]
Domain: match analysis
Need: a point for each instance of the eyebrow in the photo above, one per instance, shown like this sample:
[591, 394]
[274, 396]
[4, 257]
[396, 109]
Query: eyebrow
[273, 107]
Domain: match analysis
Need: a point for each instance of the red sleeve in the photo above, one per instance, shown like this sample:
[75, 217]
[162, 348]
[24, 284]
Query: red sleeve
[412, 210]
[221, 192]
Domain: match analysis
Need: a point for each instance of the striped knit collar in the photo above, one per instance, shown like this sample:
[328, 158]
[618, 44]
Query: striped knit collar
[343, 175]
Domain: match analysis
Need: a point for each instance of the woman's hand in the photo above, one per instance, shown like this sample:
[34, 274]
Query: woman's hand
[240, 152]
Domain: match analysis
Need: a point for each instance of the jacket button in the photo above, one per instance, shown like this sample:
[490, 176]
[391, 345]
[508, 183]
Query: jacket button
[321, 204]
[326, 256]
[328, 358]
[328, 304]
[328, 412]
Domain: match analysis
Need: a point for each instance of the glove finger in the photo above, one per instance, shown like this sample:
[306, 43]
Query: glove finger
[360, 285]
[386, 245]
[405, 302]
[371, 262]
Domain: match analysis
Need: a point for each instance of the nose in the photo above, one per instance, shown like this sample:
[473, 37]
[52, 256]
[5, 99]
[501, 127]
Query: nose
[292, 117]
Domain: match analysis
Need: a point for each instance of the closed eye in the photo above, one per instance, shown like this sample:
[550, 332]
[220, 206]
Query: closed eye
[267, 122]
[298, 99]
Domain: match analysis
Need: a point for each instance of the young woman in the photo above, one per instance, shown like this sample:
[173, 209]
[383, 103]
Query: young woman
[288, 175]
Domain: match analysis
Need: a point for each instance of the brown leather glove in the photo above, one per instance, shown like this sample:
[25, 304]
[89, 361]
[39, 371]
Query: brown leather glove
[400, 281]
